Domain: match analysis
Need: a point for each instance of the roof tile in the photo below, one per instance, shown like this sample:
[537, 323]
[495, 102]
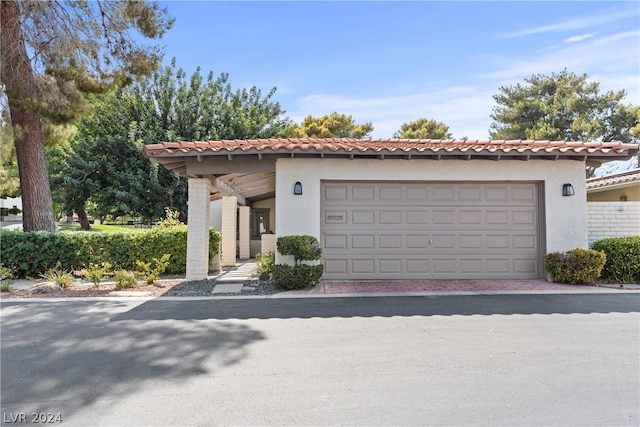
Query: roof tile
[388, 145]
[619, 178]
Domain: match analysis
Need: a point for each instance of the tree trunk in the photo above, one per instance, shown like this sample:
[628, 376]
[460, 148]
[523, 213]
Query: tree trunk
[20, 87]
[83, 218]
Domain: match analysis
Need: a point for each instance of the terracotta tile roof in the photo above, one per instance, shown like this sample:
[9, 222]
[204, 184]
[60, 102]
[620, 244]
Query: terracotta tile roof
[388, 146]
[617, 179]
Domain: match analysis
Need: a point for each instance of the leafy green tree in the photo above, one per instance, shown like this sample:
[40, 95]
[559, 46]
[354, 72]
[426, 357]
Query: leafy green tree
[424, 128]
[53, 53]
[105, 168]
[333, 125]
[563, 106]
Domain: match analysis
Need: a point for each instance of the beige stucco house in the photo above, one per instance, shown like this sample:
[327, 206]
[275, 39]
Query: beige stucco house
[393, 209]
[620, 187]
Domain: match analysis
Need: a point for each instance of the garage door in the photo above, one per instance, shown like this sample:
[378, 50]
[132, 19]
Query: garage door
[430, 230]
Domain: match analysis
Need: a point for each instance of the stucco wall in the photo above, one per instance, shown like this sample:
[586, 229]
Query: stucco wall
[565, 217]
[632, 193]
[613, 219]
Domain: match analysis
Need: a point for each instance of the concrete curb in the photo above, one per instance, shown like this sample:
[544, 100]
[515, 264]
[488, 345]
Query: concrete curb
[285, 295]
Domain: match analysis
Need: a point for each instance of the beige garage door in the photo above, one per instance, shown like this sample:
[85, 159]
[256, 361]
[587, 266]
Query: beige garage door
[429, 230]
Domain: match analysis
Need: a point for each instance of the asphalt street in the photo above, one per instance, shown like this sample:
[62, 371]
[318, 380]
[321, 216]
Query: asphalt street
[517, 360]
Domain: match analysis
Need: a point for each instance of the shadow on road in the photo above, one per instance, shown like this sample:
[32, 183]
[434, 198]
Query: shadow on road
[285, 308]
[70, 354]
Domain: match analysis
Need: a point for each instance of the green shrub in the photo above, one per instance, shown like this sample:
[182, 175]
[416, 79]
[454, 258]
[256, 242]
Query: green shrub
[96, 272]
[6, 279]
[152, 270]
[623, 258]
[264, 262]
[31, 253]
[296, 277]
[575, 266]
[59, 276]
[303, 248]
[125, 279]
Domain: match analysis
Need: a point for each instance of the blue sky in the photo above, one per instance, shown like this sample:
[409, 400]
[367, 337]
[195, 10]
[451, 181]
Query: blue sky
[393, 62]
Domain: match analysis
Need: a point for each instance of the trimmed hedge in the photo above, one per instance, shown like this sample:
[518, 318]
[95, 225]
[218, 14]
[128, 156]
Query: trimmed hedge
[302, 247]
[623, 258]
[296, 277]
[29, 254]
[575, 266]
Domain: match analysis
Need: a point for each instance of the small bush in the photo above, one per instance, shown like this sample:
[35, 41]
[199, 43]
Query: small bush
[6, 279]
[303, 248]
[151, 271]
[623, 258]
[59, 276]
[296, 277]
[264, 262]
[575, 266]
[125, 279]
[96, 272]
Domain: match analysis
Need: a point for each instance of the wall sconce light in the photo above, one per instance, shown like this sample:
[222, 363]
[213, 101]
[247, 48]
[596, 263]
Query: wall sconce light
[567, 190]
[297, 188]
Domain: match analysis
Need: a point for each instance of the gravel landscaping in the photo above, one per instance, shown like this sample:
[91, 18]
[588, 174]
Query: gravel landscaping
[205, 288]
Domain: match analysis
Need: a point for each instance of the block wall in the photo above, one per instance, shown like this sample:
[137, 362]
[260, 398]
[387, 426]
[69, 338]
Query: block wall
[612, 219]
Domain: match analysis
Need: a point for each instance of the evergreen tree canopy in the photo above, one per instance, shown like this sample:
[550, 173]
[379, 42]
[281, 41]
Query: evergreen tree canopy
[563, 106]
[424, 128]
[104, 170]
[333, 125]
[54, 53]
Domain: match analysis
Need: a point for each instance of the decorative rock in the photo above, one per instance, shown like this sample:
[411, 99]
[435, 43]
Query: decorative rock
[40, 288]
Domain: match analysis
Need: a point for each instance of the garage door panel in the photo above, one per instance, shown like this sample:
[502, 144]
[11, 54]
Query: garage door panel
[391, 266]
[430, 230]
[498, 266]
[366, 217]
[444, 266]
[417, 217]
[363, 241]
[363, 266]
[472, 265]
[335, 241]
[471, 241]
[336, 193]
[390, 217]
[443, 217]
[335, 267]
[417, 241]
[390, 241]
[470, 217]
[419, 267]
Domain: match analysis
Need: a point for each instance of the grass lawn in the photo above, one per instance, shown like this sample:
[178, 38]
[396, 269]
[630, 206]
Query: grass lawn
[104, 228]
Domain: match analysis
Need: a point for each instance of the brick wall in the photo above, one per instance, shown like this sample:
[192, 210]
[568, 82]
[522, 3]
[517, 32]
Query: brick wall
[612, 219]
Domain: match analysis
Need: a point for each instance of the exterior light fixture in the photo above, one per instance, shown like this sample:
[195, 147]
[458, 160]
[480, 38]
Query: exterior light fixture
[297, 188]
[567, 190]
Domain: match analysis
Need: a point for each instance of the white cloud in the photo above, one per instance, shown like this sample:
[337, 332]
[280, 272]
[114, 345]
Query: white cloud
[575, 39]
[613, 61]
[586, 21]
